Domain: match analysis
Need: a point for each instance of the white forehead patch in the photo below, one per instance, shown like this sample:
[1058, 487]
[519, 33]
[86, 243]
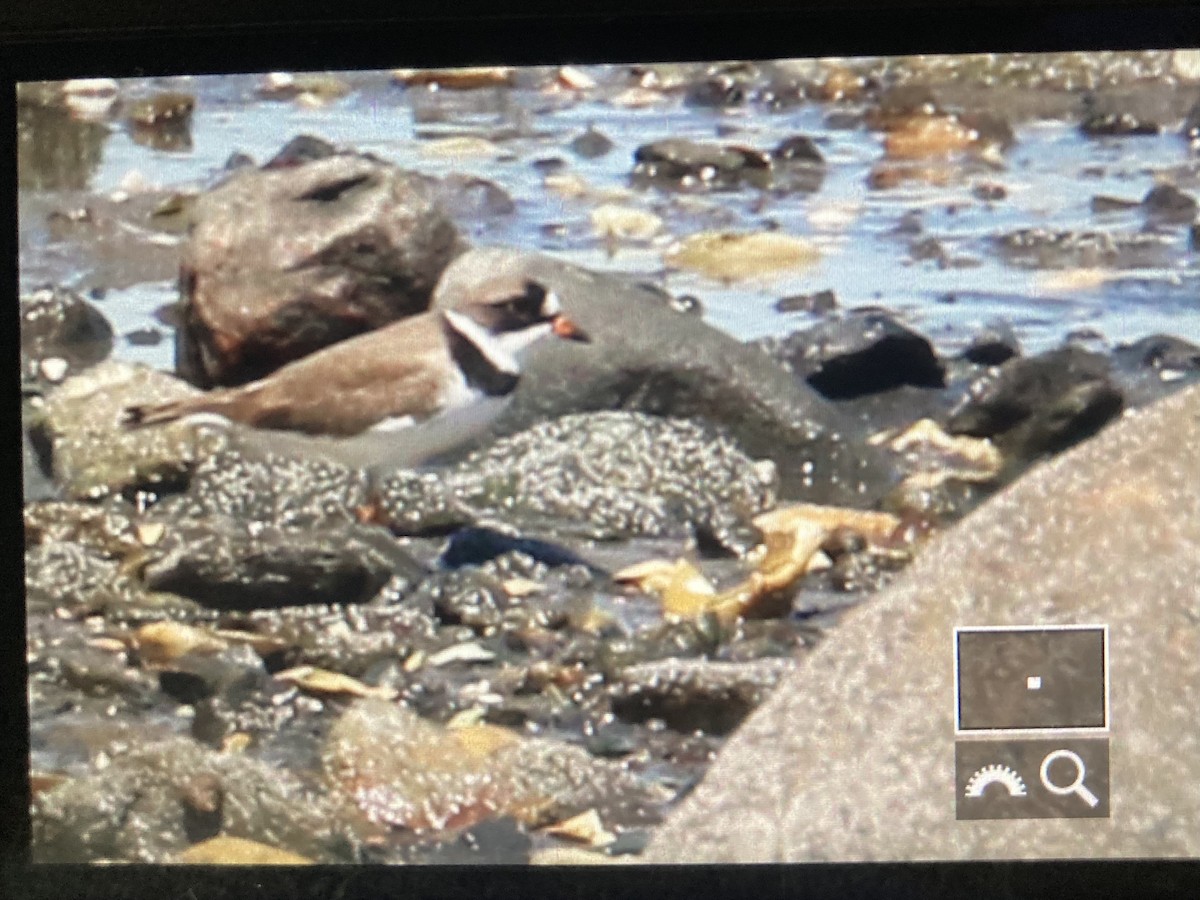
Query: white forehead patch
[551, 305]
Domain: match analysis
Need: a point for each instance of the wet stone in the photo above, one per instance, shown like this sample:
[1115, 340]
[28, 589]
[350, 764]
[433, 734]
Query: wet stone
[59, 324]
[1099, 123]
[1168, 204]
[141, 806]
[591, 144]
[1041, 404]
[405, 772]
[93, 454]
[346, 639]
[683, 163]
[166, 109]
[994, 344]
[1045, 249]
[690, 695]
[288, 259]
[1155, 366]
[863, 352]
[75, 577]
[820, 302]
[228, 563]
[110, 529]
[794, 165]
[604, 475]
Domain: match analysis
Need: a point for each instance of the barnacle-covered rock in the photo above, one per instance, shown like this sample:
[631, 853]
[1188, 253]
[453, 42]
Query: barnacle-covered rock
[154, 801]
[606, 475]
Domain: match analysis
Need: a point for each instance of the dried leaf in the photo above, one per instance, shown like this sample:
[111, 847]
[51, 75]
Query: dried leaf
[322, 681]
[585, 828]
[162, 642]
[469, 652]
[224, 850]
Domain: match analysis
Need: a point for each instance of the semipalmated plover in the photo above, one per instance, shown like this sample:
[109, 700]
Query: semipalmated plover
[397, 395]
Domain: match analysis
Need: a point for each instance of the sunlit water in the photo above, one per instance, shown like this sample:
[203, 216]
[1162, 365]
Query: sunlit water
[1051, 175]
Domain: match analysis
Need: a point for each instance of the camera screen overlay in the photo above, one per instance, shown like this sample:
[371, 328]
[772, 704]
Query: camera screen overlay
[749, 461]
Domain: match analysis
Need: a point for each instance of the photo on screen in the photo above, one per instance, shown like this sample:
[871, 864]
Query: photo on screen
[745, 461]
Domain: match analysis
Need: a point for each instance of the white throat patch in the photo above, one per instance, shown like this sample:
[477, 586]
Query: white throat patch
[492, 349]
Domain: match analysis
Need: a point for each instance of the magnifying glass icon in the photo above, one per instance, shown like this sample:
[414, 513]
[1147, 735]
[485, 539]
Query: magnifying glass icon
[1076, 786]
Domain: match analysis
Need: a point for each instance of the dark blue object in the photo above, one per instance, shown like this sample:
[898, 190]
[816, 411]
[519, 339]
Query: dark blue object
[475, 546]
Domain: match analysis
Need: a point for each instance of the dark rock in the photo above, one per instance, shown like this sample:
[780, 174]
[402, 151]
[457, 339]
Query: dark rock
[1155, 366]
[1042, 248]
[144, 337]
[1116, 124]
[717, 91]
[238, 160]
[691, 695]
[162, 123]
[799, 148]
[818, 303]
[136, 809]
[902, 102]
[92, 453]
[1162, 352]
[990, 192]
[1105, 204]
[675, 365]
[928, 248]
[1041, 404]
[676, 162]
[228, 563]
[303, 148]
[170, 108]
[36, 483]
[469, 198]
[996, 343]
[603, 475]
[282, 262]
[591, 144]
[863, 352]
[57, 323]
[1167, 203]
[1191, 125]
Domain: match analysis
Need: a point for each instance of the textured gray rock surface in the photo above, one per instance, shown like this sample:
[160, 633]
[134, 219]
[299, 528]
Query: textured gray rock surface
[852, 757]
[645, 356]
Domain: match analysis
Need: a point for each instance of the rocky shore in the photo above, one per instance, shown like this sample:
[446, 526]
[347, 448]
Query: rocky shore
[530, 645]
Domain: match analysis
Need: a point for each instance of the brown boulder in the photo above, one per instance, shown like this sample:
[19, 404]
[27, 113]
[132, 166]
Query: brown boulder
[282, 262]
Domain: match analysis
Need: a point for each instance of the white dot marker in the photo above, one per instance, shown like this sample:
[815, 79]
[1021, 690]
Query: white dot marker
[1034, 682]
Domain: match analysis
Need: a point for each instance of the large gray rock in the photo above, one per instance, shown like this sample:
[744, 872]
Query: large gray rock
[852, 757]
[645, 356]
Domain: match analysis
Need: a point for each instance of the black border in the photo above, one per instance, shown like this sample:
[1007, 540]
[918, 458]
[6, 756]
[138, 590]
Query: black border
[47, 39]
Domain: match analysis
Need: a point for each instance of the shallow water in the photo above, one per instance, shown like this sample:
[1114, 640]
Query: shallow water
[1050, 176]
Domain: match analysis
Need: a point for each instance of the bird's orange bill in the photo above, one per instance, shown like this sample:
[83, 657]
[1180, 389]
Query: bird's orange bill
[565, 328]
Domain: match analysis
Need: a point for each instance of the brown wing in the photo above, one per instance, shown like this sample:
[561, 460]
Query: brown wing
[395, 371]
[399, 370]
